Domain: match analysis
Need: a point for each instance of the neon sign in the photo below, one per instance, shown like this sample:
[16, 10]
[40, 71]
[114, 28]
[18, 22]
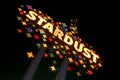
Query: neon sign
[56, 31]
[58, 39]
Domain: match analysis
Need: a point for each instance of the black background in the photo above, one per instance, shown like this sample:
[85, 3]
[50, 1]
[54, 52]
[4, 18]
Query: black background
[96, 26]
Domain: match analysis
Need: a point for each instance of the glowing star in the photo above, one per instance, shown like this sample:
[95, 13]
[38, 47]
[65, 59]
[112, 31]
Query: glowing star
[100, 65]
[45, 55]
[24, 23]
[54, 62]
[29, 7]
[53, 68]
[19, 30]
[36, 36]
[44, 45]
[90, 72]
[78, 73]
[19, 18]
[38, 45]
[30, 55]
[70, 59]
[28, 34]
[19, 9]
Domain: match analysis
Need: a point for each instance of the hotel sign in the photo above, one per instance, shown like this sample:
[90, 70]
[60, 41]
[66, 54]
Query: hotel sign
[59, 36]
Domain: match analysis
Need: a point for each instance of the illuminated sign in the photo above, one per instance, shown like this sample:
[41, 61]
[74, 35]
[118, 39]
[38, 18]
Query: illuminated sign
[64, 37]
[59, 40]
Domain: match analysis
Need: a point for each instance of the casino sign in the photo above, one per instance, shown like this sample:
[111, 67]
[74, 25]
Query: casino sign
[58, 39]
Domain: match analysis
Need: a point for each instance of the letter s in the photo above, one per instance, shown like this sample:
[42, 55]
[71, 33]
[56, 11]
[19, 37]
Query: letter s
[86, 53]
[31, 15]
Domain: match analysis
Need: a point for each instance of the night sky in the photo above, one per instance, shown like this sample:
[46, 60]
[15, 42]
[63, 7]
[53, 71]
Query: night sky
[95, 26]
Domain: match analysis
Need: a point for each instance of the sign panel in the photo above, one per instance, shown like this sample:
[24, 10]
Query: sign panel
[59, 40]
